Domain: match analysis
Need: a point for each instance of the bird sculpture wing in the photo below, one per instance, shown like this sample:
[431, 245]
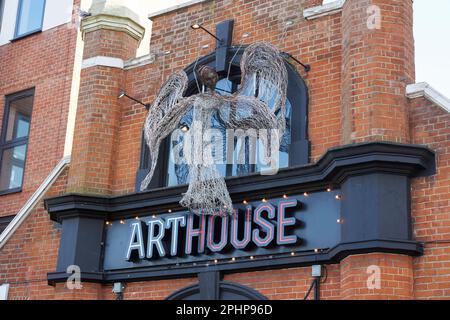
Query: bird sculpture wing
[260, 102]
[164, 116]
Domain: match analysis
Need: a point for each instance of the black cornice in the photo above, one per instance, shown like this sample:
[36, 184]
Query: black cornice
[330, 256]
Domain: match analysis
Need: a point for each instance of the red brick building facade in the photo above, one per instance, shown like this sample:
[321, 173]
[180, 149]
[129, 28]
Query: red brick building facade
[360, 90]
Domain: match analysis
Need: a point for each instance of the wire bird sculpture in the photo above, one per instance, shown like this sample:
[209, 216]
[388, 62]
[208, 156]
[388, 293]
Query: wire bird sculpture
[263, 83]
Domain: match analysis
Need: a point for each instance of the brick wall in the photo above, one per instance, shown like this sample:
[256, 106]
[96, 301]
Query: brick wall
[289, 283]
[109, 43]
[149, 290]
[96, 124]
[32, 251]
[430, 125]
[44, 61]
[395, 273]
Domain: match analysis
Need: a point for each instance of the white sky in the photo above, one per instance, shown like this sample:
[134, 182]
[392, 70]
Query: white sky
[432, 37]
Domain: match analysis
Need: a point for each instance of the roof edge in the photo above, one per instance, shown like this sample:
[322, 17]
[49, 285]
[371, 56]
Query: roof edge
[174, 8]
[327, 8]
[423, 89]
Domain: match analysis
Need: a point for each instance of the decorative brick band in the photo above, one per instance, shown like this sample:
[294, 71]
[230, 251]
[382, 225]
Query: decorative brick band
[102, 61]
[117, 62]
[139, 61]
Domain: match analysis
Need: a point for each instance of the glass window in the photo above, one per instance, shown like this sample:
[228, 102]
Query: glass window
[13, 164]
[18, 121]
[30, 16]
[4, 221]
[240, 155]
[14, 141]
[243, 162]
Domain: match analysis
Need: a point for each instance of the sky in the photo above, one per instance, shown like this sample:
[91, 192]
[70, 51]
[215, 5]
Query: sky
[432, 40]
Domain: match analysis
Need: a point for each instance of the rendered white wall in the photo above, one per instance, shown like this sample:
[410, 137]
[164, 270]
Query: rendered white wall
[4, 291]
[142, 8]
[57, 12]
[8, 21]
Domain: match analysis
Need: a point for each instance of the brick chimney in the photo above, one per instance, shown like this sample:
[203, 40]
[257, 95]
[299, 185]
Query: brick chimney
[111, 35]
[378, 63]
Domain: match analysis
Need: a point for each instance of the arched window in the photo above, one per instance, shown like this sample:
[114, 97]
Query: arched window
[226, 291]
[294, 147]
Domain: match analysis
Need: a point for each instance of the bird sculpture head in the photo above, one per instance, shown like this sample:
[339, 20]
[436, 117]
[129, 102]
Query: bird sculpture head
[208, 76]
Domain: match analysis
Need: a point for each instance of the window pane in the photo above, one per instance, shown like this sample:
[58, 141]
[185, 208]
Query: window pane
[245, 160]
[30, 16]
[2, 3]
[12, 167]
[178, 169]
[4, 221]
[284, 144]
[18, 125]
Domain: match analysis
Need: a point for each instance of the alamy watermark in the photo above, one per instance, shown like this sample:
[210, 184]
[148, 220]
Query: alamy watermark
[74, 280]
[206, 147]
[374, 17]
[374, 278]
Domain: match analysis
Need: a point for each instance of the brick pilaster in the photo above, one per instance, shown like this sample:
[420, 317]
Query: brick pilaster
[377, 276]
[113, 38]
[378, 63]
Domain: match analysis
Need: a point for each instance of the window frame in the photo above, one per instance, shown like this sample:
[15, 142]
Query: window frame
[297, 92]
[18, 15]
[2, 5]
[4, 145]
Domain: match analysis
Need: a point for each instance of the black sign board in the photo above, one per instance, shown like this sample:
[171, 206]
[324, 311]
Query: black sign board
[283, 226]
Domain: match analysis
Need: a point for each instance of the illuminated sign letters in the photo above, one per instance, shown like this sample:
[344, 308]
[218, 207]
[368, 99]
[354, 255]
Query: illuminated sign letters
[262, 230]
[189, 234]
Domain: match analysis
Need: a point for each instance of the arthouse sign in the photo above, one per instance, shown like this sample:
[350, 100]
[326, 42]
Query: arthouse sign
[355, 199]
[265, 228]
